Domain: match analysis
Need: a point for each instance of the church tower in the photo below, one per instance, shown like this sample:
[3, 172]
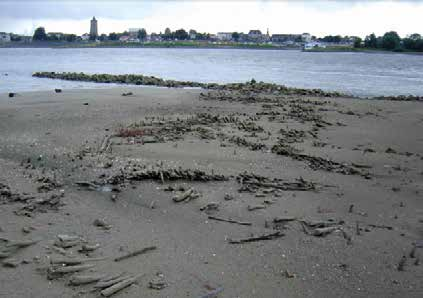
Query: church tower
[93, 28]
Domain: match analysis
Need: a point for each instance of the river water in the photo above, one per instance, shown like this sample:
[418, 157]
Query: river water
[361, 74]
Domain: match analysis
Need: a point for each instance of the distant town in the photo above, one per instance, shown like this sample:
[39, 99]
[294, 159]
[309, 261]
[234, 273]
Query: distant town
[254, 38]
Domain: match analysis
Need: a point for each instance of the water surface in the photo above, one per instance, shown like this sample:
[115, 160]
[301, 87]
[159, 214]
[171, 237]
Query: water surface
[359, 74]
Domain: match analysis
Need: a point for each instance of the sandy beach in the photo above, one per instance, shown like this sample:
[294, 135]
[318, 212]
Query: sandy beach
[252, 194]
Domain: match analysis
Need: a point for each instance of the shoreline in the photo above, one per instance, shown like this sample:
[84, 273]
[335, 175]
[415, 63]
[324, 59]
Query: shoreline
[211, 46]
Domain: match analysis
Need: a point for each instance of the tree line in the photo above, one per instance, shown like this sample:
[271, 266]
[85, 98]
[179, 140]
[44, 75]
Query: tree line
[392, 41]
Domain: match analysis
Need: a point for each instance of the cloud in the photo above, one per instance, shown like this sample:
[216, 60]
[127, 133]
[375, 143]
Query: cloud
[317, 17]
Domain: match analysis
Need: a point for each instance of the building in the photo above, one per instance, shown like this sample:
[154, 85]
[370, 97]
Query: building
[314, 45]
[124, 38]
[286, 38]
[255, 35]
[55, 36]
[134, 31]
[224, 36]
[306, 37]
[94, 28]
[85, 37]
[4, 37]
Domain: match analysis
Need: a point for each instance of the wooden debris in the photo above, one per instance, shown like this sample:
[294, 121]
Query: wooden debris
[401, 263]
[58, 271]
[269, 236]
[321, 232]
[66, 241]
[213, 293]
[101, 223]
[105, 283]
[135, 253]
[210, 207]
[255, 207]
[186, 196]
[107, 292]
[87, 184]
[88, 248]
[284, 219]
[77, 280]
[252, 183]
[381, 226]
[158, 282]
[243, 223]
[21, 243]
[10, 263]
[74, 261]
[413, 252]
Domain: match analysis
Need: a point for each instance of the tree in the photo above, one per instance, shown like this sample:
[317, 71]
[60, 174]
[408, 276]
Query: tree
[370, 41]
[142, 34]
[180, 34]
[103, 37]
[40, 34]
[357, 42]
[414, 42]
[113, 36]
[235, 36]
[192, 34]
[391, 40]
[70, 37]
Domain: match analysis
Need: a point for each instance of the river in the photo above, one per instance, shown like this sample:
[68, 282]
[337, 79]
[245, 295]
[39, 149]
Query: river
[361, 74]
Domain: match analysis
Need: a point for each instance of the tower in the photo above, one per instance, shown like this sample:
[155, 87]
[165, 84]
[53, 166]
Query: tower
[93, 28]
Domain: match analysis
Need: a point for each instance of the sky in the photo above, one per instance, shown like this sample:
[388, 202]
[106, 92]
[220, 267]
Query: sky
[319, 18]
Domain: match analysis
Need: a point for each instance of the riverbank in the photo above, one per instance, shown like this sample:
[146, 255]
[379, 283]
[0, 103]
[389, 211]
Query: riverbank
[341, 49]
[170, 44]
[205, 177]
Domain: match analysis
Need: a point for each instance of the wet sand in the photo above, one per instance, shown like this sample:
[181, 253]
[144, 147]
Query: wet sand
[355, 167]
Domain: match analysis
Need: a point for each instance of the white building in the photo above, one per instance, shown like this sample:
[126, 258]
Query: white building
[85, 36]
[4, 37]
[314, 45]
[224, 36]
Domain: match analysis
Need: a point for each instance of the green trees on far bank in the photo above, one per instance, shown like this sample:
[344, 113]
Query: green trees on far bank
[40, 34]
[393, 42]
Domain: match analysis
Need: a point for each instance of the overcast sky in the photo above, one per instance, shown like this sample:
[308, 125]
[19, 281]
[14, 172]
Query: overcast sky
[348, 17]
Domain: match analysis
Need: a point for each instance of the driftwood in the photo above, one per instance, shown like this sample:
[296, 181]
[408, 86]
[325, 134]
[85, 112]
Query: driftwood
[321, 232]
[22, 243]
[88, 248]
[135, 253]
[56, 272]
[105, 144]
[74, 261]
[105, 283]
[243, 223]
[255, 207]
[66, 241]
[87, 184]
[284, 219]
[381, 226]
[213, 293]
[183, 196]
[270, 236]
[85, 279]
[118, 286]
[401, 263]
